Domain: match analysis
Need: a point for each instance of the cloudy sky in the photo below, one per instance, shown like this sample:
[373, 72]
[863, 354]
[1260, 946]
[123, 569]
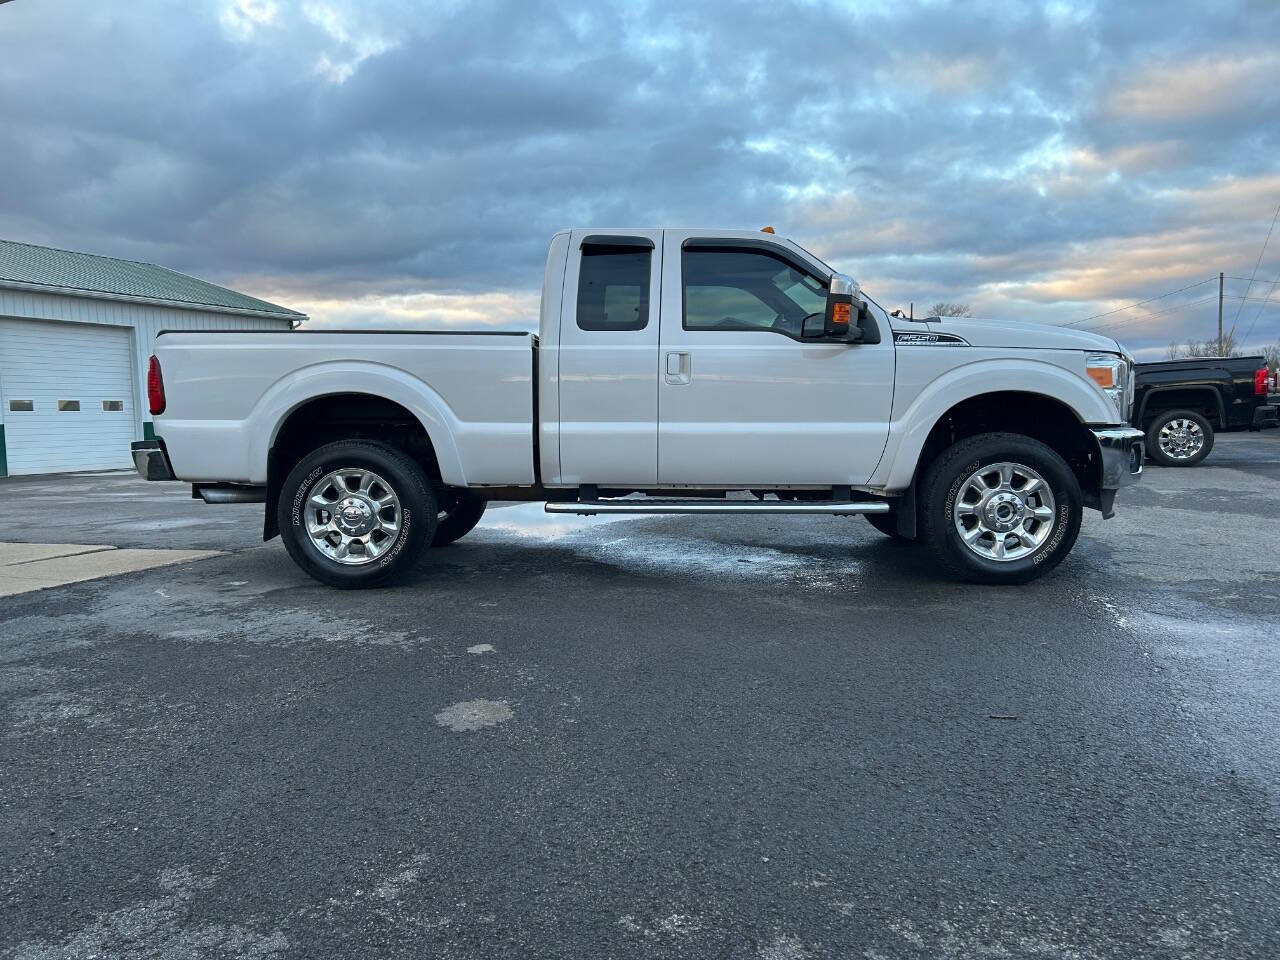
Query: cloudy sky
[407, 161]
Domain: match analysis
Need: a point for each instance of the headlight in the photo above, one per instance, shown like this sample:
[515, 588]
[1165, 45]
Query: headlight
[1113, 374]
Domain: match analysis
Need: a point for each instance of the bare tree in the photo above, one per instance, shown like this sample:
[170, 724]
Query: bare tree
[1272, 354]
[1205, 348]
[945, 309]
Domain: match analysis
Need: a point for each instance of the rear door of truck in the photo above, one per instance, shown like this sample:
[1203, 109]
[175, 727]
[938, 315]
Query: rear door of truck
[609, 358]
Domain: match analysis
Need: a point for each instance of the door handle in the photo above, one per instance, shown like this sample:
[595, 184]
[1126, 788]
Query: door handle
[678, 368]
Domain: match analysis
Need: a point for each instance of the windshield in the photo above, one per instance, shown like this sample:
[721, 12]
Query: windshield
[815, 259]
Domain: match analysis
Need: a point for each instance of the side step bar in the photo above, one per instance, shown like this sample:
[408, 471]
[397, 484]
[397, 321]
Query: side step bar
[759, 507]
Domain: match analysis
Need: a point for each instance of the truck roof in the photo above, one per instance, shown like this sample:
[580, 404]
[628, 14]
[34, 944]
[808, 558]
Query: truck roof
[717, 232]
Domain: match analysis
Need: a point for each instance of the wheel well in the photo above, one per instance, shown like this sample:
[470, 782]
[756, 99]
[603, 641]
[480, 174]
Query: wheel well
[342, 416]
[1035, 415]
[1202, 400]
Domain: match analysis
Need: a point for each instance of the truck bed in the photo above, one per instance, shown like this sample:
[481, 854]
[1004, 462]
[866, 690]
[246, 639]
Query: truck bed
[229, 392]
[1222, 389]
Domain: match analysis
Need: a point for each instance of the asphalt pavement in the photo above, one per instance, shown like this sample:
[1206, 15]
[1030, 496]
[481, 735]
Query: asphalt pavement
[648, 737]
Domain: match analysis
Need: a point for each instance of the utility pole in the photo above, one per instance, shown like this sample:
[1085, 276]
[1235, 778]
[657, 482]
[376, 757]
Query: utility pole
[1220, 278]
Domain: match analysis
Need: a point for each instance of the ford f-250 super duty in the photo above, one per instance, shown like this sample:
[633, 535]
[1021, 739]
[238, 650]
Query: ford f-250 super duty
[671, 368]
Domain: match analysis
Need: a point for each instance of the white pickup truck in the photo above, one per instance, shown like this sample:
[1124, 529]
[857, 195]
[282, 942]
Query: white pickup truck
[672, 372]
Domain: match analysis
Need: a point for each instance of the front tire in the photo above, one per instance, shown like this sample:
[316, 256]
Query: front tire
[1179, 438]
[356, 513]
[999, 508]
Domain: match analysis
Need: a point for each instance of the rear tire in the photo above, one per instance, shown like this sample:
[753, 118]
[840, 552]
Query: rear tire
[459, 512]
[356, 513]
[1179, 438]
[999, 508]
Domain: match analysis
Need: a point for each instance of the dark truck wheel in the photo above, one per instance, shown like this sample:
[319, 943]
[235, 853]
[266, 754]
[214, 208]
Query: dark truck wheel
[1179, 438]
[999, 508]
[458, 513]
[356, 513]
[887, 523]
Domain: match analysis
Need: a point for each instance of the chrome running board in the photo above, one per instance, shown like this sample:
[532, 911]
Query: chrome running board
[762, 507]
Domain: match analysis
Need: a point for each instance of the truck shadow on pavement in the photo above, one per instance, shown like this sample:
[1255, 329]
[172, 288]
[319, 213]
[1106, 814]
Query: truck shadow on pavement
[810, 552]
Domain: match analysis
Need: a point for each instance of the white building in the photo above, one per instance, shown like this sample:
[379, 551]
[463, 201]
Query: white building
[75, 337]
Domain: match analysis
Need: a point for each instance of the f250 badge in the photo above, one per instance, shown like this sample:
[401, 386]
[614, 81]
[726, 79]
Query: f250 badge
[929, 340]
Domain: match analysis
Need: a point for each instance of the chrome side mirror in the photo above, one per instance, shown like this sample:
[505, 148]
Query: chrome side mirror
[844, 285]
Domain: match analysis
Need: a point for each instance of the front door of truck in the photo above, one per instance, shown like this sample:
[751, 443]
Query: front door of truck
[608, 358]
[742, 399]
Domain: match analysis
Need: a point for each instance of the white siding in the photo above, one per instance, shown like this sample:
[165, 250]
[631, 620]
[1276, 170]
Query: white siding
[144, 322]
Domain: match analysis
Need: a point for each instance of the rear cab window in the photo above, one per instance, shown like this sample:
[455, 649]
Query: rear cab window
[613, 284]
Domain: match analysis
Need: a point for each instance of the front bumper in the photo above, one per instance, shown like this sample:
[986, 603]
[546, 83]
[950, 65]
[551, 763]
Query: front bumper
[1120, 453]
[151, 461]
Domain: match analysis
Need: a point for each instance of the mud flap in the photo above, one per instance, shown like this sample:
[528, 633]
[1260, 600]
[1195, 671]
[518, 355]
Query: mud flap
[906, 513]
[1103, 501]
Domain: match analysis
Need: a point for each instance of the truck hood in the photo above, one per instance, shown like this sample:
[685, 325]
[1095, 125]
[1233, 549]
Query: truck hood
[1016, 334]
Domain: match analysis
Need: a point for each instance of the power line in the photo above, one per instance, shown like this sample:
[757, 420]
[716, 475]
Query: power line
[1160, 313]
[1257, 264]
[1153, 316]
[1139, 302]
[1236, 296]
[1125, 322]
[1260, 309]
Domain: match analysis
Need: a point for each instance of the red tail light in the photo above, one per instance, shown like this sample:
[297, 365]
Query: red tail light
[1260, 382]
[155, 387]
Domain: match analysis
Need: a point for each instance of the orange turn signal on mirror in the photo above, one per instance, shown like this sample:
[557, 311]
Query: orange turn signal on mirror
[1104, 377]
[840, 314]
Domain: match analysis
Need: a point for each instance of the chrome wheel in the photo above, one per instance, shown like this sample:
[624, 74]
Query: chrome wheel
[1004, 511]
[1181, 439]
[353, 516]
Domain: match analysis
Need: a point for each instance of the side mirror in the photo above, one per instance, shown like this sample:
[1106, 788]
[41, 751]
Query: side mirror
[842, 301]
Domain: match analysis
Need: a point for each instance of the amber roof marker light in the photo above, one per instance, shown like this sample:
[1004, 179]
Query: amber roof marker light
[766, 230]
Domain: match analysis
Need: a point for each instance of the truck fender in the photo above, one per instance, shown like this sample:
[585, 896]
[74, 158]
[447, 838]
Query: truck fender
[354, 376]
[1214, 391]
[908, 431]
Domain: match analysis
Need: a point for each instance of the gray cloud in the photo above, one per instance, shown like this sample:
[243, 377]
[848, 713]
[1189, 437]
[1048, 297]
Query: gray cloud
[382, 160]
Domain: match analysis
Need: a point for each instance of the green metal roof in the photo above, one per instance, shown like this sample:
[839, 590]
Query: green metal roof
[84, 274]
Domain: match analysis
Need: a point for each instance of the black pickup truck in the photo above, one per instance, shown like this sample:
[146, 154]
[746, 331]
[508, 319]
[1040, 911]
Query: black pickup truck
[1180, 403]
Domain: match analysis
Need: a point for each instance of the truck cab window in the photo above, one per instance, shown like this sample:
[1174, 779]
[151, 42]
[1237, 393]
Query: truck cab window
[613, 287]
[729, 289]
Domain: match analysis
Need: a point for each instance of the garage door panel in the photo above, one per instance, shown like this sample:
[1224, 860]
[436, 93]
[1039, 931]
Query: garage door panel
[45, 362]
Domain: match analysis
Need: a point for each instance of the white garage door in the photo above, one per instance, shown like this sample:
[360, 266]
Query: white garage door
[67, 396]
